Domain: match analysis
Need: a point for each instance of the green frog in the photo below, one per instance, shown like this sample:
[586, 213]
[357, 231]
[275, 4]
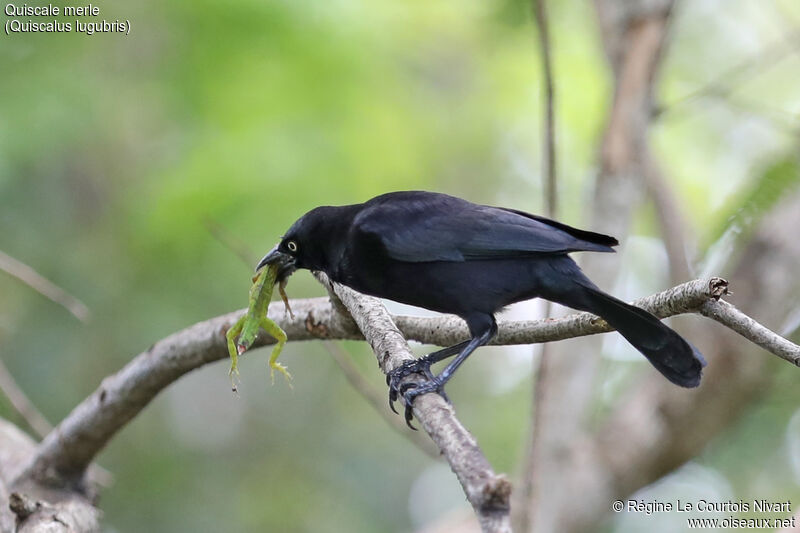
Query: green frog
[243, 333]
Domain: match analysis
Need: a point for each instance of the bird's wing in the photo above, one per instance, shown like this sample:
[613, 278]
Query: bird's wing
[435, 227]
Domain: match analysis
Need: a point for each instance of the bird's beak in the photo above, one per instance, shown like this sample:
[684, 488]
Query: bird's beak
[285, 262]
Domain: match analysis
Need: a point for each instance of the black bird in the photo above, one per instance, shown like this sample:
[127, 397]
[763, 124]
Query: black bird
[449, 255]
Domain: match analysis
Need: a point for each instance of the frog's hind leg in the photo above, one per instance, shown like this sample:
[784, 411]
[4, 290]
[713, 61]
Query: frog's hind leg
[233, 351]
[273, 329]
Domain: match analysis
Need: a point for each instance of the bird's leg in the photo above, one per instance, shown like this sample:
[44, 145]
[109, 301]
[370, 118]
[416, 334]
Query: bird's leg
[410, 391]
[418, 366]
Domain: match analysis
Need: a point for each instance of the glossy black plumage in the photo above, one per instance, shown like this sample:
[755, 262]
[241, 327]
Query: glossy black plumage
[449, 255]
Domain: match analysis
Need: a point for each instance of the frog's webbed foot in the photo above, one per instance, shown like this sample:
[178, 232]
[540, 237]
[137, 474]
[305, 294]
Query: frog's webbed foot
[273, 329]
[273, 366]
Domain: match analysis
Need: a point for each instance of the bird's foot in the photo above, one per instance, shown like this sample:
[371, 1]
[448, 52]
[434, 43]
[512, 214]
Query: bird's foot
[410, 391]
[393, 378]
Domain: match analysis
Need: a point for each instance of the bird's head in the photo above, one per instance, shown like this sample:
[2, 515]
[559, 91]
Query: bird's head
[305, 245]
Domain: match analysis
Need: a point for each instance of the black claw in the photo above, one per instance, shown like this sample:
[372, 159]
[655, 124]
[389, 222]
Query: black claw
[409, 391]
[394, 378]
[405, 387]
[409, 394]
[392, 399]
[408, 398]
[410, 417]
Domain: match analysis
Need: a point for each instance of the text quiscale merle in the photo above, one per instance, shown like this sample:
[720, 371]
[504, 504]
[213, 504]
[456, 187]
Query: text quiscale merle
[50, 10]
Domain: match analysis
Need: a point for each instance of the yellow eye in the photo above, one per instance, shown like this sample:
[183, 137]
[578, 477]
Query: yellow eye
[292, 246]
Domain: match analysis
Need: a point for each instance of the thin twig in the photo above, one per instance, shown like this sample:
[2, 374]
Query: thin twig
[725, 83]
[230, 241]
[551, 192]
[670, 219]
[377, 399]
[35, 420]
[523, 500]
[43, 286]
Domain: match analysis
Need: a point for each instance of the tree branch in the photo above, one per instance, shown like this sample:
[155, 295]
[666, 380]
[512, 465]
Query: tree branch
[38, 423]
[28, 508]
[63, 455]
[487, 492]
[729, 316]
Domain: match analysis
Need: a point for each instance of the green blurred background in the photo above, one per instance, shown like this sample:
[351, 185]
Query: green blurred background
[117, 152]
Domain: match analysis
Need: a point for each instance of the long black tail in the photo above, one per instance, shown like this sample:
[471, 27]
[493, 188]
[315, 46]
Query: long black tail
[678, 360]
